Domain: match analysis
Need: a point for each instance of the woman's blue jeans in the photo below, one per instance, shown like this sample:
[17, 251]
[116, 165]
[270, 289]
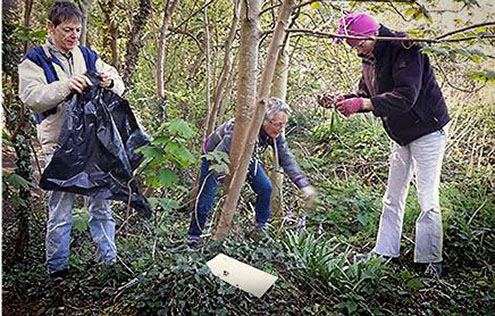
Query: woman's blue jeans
[208, 184]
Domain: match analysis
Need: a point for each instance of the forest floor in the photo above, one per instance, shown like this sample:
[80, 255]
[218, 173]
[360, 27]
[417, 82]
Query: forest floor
[157, 273]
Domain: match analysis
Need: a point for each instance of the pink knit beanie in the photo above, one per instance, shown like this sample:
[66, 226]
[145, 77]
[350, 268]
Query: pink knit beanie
[358, 24]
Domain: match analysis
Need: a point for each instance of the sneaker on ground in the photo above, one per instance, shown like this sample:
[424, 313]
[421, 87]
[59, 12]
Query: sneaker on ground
[258, 233]
[434, 270]
[193, 242]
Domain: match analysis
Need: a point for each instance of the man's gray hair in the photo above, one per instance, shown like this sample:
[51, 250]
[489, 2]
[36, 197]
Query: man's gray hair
[276, 106]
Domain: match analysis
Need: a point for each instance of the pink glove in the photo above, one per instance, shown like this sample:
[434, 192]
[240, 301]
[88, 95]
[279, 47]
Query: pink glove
[350, 106]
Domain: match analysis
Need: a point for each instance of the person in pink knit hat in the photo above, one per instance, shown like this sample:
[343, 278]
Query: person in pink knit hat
[398, 86]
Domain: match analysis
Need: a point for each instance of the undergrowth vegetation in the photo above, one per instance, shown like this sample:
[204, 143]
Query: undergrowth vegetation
[313, 254]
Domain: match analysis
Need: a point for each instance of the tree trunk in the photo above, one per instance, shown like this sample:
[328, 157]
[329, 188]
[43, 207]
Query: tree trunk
[17, 122]
[279, 90]
[246, 82]
[239, 174]
[226, 71]
[111, 35]
[84, 7]
[135, 43]
[228, 91]
[208, 63]
[169, 10]
[28, 8]
[213, 114]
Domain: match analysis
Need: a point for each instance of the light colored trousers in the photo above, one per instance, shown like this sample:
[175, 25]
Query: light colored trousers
[423, 159]
[59, 227]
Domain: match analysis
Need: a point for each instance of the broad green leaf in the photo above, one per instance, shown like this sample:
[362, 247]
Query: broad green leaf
[180, 128]
[181, 154]
[40, 34]
[160, 140]
[351, 307]
[151, 152]
[167, 177]
[17, 201]
[363, 219]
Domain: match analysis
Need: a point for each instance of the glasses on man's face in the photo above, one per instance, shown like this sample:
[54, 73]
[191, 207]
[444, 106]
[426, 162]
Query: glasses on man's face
[278, 124]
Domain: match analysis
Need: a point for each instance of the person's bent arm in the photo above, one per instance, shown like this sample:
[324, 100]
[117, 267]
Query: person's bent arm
[35, 92]
[288, 163]
[115, 82]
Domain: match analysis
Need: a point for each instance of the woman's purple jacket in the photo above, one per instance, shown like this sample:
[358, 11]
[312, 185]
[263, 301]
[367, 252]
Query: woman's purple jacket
[401, 84]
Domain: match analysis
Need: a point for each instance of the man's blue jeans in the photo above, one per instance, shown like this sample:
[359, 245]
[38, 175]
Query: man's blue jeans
[59, 226]
[208, 184]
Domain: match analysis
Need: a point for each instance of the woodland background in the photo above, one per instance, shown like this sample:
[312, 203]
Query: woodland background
[189, 65]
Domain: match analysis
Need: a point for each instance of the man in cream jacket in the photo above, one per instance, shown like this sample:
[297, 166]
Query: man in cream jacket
[48, 74]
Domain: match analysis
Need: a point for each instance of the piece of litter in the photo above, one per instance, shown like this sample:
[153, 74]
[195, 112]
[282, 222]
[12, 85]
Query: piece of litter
[241, 275]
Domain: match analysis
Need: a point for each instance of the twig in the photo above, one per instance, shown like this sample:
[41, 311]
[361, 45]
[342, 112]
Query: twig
[465, 29]
[192, 15]
[474, 89]
[124, 223]
[408, 239]
[388, 38]
[125, 265]
[476, 212]
[127, 286]
[311, 1]
[35, 156]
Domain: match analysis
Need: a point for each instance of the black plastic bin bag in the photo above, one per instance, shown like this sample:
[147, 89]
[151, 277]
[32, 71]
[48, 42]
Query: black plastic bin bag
[96, 153]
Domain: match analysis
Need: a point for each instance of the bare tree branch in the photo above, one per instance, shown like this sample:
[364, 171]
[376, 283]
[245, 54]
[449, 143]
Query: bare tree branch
[193, 14]
[388, 38]
[446, 78]
[466, 28]
[311, 1]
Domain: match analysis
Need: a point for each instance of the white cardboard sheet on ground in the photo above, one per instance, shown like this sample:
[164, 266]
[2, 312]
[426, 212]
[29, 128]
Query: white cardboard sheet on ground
[241, 275]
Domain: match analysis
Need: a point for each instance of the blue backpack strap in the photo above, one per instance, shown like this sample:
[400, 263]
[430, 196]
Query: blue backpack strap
[38, 56]
[90, 58]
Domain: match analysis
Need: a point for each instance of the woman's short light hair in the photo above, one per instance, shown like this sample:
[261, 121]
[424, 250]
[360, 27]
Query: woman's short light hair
[276, 106]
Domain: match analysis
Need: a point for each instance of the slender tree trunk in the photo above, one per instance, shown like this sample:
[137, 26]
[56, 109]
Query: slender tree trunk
[239, 174]
[111, 35]
[114, 44]
[169, 10]
[279, 90]
[17, 123]
[228, 91]
[226, 71]
[212, 114]
[84, 6]
[135, 43]
[246, 80]
[208, 63]
[28, 8]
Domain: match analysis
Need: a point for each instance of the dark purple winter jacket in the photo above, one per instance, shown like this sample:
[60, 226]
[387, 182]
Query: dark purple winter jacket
[405, 95]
